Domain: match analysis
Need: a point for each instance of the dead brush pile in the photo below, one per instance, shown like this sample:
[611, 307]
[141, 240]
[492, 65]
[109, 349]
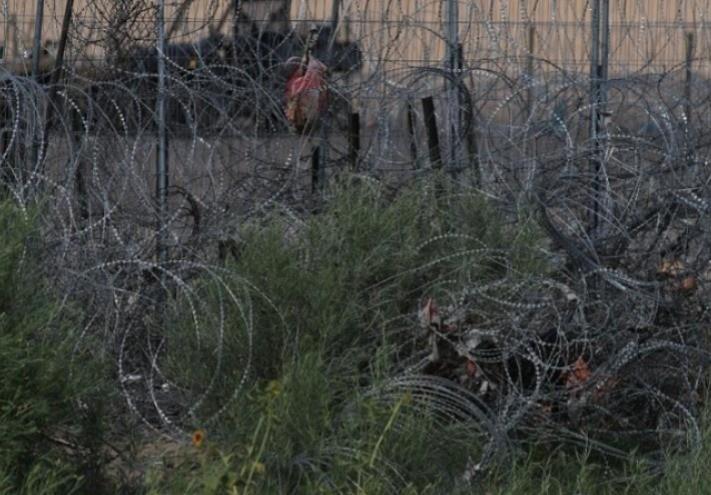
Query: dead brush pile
[612, 356]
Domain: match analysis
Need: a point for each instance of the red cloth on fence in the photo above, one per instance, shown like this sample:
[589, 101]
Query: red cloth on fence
[306, 95]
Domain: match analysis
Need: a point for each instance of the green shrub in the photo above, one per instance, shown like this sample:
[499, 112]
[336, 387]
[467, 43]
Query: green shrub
[323, 307]
[44, 400]
[340, 281]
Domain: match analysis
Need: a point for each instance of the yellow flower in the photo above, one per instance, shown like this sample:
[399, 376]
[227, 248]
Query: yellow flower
[198, 437]
[259, 467]
[274, 388]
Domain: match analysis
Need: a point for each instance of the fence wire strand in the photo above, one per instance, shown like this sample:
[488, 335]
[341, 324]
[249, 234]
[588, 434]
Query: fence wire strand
[627, 300]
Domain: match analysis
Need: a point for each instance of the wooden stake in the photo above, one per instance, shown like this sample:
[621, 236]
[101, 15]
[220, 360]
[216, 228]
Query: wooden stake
[354, 140]
[413, 135]
[432, 134]
[315, 169]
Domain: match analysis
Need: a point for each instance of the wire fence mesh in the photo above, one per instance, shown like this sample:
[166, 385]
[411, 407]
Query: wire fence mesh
[499, 94]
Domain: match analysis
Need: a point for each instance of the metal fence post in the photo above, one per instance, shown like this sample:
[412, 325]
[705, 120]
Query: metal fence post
[599, 61]
[6, 30]
[162, 148]
[5, 172]
[236, 19]
[335, 18]
[452, 68]
[55, 78]
[37, 42]
[530, 76]
[594, 101]
[688, 78]
[36, 50]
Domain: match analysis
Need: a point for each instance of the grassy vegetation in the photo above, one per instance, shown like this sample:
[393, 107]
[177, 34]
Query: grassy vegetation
[332, 310]
[48, 404]
[309, 318]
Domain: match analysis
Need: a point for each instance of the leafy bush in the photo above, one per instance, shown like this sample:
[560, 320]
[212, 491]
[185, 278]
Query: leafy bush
[322, 310]
[45, 400]
[275, 357]
[339, 281]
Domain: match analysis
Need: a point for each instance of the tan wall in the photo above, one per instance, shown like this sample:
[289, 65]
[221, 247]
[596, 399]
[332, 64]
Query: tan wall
[404, 33]
[90, 19]
[643, 31]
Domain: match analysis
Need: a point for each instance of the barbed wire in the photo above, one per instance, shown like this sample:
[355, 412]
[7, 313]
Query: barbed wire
[608, 346]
